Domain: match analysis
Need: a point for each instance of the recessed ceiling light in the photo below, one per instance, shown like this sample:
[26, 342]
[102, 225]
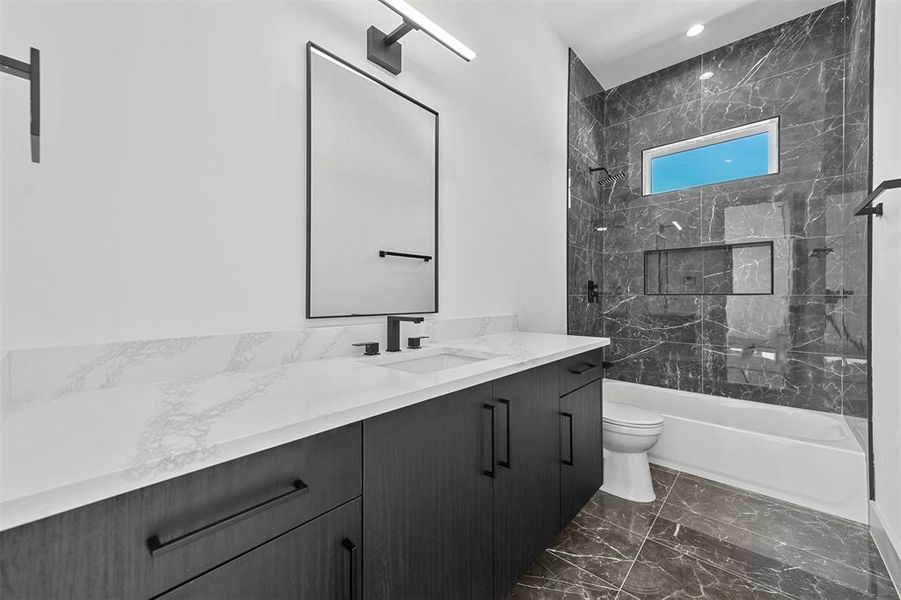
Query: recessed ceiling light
[706, 75]
[694, 30]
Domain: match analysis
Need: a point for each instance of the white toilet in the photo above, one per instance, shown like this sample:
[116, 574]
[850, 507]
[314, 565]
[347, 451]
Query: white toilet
[629, 432]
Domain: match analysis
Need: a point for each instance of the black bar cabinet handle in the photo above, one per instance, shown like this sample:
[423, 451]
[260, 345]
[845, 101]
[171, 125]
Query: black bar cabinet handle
[157, 546]
[424, 257]
[583, 369]
[490, 408]
[352, 550]
[506, 463]
[569, 416]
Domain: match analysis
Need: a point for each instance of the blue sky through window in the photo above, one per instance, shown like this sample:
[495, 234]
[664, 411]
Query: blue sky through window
[724, 161]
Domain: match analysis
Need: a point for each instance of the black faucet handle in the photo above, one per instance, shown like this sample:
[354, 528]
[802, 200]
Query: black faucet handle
[414, 343]
[369, 348]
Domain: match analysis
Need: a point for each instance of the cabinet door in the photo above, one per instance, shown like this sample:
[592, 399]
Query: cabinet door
[527, 484]
[582, 463]
[427, 514]
[317, 561]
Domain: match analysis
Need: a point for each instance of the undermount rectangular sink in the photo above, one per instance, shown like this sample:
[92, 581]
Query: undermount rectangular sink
[439, 360]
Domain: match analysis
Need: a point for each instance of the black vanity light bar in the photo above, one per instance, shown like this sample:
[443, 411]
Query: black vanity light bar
[423, 257]
[31, 72]
[384, 50]
[866, 207]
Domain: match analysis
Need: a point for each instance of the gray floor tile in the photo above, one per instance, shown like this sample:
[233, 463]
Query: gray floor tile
[816, 532]
[598, 547]
[551, 577]
[634, 516]
[661, 572]
[792, 571]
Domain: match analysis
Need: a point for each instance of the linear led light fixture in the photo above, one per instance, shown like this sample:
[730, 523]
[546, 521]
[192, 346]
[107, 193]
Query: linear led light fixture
[31, 72]
[384, 49]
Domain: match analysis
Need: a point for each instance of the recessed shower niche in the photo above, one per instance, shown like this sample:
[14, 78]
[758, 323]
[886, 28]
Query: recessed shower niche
[728, 269]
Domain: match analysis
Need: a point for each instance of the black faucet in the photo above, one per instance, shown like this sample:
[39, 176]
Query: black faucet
[394, 331]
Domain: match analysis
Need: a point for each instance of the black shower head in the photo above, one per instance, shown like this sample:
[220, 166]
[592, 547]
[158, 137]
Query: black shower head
[610, 178]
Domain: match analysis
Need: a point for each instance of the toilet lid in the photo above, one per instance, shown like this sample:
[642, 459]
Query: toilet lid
[625, 414]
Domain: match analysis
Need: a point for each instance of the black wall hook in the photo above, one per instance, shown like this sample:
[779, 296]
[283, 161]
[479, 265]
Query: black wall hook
[32, 73]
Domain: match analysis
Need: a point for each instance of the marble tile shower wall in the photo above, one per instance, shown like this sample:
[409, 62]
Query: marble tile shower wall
[586, 150]
[805, 345]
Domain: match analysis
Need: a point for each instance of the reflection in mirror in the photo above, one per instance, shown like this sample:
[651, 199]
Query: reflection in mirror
[731, 269]
[372, 195]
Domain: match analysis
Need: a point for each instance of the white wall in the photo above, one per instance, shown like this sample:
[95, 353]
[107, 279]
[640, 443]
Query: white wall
[170, 200]
[886, 283]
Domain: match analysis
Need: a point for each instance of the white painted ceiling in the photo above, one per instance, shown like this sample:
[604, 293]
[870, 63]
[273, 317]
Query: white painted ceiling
[621, 40]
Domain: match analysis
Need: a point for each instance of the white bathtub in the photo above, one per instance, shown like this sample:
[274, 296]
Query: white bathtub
[802, 456]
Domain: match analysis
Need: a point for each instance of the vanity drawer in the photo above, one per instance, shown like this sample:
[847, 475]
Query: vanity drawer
[580, 370]
[145, 542]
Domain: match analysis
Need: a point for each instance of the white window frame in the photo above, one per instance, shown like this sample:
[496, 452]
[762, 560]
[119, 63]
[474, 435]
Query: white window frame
[770, 126]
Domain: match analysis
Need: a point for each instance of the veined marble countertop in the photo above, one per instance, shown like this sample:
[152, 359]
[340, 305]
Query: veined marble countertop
[81, 448]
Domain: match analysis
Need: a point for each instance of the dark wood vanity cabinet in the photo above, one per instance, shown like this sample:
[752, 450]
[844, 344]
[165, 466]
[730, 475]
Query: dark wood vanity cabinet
[451, 498]
[462, 493]
[527, 484]
[145, 542]
[317, 561]
[582, 465]
[428, 499]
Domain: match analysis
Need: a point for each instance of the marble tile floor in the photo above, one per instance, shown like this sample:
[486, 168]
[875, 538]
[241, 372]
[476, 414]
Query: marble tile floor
[703, 539]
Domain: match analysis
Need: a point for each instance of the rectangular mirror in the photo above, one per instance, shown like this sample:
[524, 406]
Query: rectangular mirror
[733, 269]
[372, 194]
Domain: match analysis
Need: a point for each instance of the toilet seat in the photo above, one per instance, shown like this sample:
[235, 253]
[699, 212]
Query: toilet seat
[630, 417]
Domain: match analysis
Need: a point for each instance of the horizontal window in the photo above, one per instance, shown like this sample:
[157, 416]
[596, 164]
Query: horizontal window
[738, 153]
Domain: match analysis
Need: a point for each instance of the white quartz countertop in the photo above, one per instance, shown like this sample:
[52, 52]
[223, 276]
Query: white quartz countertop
[73, 450]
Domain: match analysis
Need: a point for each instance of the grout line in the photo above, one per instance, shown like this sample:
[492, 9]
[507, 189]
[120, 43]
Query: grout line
[648, 534]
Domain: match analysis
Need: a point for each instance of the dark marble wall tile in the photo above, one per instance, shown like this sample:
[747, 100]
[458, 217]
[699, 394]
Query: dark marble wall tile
[664, 364]
[653, 318]
[855, 388]
[806, 209]
[784, 378]
[585, 150]
[857, 142]
[858, 18]
[649, 225]
[773, 324]
[583, 222]
[792, 347]
[662, 89]
[628, 139]
[585, 132]
[582, 84]
[808, 39]
[623, 273]
[811, 92]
